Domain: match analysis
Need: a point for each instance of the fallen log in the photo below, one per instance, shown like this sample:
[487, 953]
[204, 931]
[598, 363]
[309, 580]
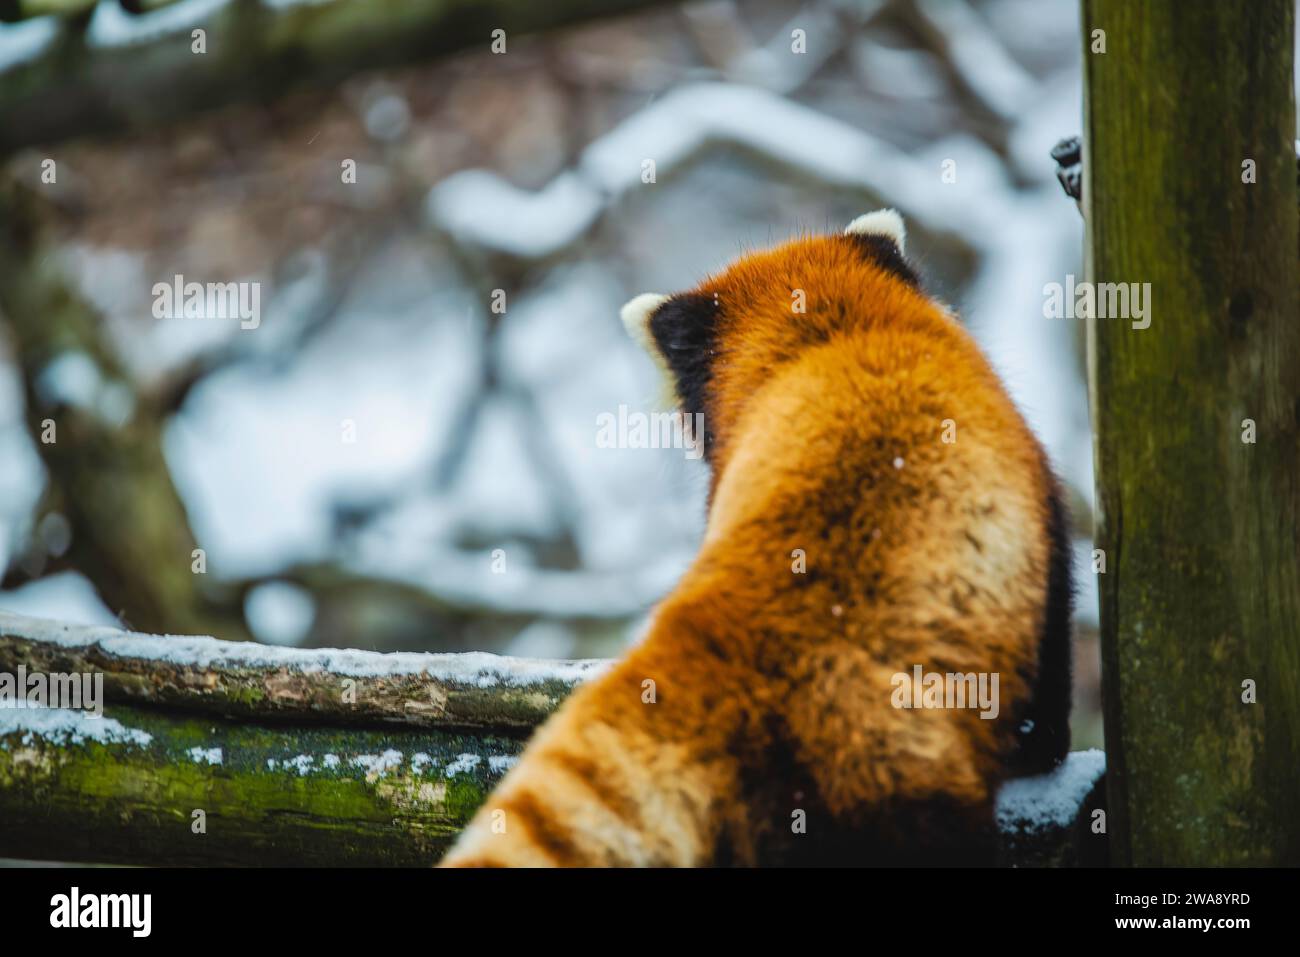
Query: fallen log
[228, 753]
[245, 680]
[142, 787]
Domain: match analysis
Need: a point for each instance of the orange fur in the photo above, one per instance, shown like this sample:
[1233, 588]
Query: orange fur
[773, 688]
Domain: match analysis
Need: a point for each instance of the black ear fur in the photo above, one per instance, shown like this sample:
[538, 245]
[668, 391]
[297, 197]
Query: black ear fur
[884, 252]
[685, 328]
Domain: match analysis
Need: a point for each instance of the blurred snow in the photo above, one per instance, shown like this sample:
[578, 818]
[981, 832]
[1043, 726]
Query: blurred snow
[467, 580]
[1085, 585]
[23, 476]
[66, 596]
[1042, 34]
[899, 72]
[772, 67]
[279, 613]
[315, 423]
[543, 639]
[695, 117]
[263, 453]
[112, 26]
[1036, 242]
[26, 40]
[1056, 113]
[72, 378]
[480, 207]
[387, 116]
[979, 56]
[496, 483]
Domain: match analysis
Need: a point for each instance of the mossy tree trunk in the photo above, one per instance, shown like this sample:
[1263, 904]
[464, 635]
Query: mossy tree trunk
[145, 787]
[1191, 186]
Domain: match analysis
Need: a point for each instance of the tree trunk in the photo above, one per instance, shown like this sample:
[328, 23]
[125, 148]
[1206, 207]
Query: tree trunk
[1197, 436]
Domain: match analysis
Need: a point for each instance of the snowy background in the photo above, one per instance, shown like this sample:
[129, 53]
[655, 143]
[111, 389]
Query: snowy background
[475, 431]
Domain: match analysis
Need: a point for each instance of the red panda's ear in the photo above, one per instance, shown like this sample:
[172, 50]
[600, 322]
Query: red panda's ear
[883, 222]
[636, 315]
[679, 332]
[685, 330]
[882, 237]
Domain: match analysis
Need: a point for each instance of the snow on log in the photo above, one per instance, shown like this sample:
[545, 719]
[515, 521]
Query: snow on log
[225, 753]
[239, 679]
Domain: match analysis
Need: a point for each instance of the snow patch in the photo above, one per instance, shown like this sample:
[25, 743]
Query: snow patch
[463, 764]
[280, 613]
[112, 26]
[68, 594]
[420, 760]
[205, 755]
[379, 764]
[26, 40]
[473, 668]
[1026, 805]
[480, 207]
[501, 763]
[66, 726]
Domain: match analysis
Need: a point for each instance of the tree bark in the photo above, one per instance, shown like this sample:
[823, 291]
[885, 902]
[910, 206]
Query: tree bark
[288, 796]
[1200, 599]
[249, 681]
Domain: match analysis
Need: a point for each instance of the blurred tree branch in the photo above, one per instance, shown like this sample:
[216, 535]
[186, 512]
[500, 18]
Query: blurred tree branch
[76, 87]
[107, 475]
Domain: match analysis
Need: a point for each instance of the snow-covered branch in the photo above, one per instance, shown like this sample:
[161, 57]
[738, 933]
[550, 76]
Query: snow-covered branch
[240, 679]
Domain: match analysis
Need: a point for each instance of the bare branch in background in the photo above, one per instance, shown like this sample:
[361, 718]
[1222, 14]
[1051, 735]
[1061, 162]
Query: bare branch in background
[113, 79]
[101, 450]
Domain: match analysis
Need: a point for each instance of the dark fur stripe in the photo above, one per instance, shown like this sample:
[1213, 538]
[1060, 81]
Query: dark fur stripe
[546, 833]
[596, 780]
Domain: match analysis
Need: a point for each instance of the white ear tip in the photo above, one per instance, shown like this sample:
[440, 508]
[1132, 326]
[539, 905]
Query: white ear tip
[883, 222]
[637, 312]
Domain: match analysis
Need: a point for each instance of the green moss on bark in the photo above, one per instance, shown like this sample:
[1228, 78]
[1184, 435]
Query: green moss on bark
[383, 798]
[1202, 586]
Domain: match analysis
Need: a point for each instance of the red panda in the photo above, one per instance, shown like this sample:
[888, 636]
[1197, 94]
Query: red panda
[877, 505]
